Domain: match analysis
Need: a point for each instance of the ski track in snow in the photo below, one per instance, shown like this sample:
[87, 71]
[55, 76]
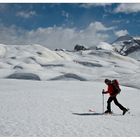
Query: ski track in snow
[45, 108]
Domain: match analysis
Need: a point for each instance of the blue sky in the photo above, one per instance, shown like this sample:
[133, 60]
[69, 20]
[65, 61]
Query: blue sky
[26, 23]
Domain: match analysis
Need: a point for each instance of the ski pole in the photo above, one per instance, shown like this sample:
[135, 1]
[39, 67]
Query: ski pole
[103, 103]
[103, 100]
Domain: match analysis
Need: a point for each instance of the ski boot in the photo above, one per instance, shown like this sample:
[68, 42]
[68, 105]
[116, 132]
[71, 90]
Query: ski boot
[108, 112]
[124, 111]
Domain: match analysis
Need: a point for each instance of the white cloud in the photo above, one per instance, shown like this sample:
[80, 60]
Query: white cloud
[98, 26]
[90, 5]
[127, 8]
[56, 37]
[121, 33]
[26, 14]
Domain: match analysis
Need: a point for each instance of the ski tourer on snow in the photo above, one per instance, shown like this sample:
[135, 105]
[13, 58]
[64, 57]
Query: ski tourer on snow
[113, 90]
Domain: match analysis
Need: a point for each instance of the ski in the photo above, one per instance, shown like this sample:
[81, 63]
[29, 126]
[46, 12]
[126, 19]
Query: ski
[112, 113]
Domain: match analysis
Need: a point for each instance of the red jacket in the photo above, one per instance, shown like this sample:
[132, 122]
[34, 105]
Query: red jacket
[110, 90]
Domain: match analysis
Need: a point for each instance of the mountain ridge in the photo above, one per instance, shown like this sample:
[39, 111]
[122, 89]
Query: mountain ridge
[127, 45]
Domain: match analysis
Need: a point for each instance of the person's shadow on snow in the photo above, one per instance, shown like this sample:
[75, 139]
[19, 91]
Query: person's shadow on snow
[87, 114]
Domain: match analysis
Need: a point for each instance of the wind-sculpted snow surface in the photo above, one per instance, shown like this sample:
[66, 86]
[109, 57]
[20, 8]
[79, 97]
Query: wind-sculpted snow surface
[26, 76]
[54, 108]
[34, 62]
[27, 59]
[69, 76]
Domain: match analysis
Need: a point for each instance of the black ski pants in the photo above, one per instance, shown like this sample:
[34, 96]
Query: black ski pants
[110, 99]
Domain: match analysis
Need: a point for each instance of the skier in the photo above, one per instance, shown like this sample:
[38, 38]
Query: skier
[113, 93]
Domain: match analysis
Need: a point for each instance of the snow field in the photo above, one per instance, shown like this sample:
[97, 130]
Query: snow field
[45, 108]
[60, 108]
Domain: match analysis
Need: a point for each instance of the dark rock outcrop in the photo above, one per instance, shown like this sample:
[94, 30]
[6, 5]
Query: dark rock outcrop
[79, 47]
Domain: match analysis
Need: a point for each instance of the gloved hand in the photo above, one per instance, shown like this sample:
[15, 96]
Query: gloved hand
[103, 91]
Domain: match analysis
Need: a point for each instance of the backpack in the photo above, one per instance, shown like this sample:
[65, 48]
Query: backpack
[116, 87]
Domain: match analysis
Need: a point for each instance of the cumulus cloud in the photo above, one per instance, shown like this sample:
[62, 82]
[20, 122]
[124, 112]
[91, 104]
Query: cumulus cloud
[121, 33]
[127, 8]
[26, 14]
[56, 37]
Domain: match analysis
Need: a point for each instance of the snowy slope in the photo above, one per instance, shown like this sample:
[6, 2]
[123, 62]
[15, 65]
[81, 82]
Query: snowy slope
[27, 59]
[105, 46]
[39, 63]
[47, 108]
[63, 86]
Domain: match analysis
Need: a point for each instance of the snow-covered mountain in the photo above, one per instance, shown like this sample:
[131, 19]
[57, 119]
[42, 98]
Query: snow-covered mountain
[105, 46]
[127, 45]
[39, 63]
